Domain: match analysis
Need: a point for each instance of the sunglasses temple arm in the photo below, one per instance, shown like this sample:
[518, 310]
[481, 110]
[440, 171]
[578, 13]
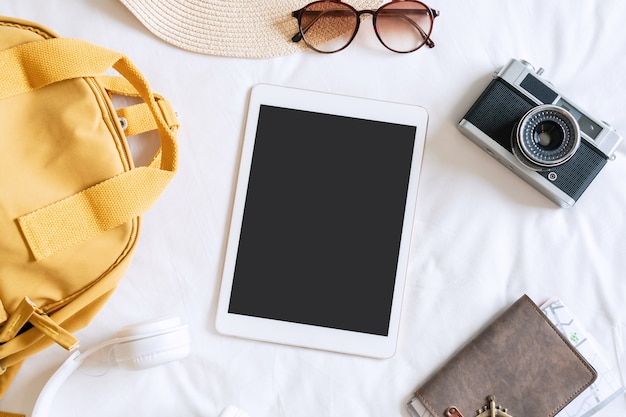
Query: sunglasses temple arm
[298, 36]
[429, 41]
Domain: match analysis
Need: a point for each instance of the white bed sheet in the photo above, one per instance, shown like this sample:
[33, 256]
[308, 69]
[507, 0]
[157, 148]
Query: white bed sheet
[482, 236]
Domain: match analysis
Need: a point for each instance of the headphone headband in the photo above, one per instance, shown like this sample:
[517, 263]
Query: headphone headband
[135, 347]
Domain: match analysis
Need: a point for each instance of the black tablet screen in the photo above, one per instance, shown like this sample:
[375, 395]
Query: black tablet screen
[322, 220]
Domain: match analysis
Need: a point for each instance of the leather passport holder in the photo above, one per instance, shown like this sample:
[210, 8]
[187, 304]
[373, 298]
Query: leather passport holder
[520, 358]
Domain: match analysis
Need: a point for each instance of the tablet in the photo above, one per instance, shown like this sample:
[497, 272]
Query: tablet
[319, 239]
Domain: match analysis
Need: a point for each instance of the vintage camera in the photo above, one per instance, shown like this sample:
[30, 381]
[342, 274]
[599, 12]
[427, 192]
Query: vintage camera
[533, 130]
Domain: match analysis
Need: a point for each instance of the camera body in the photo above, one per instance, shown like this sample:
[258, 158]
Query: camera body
[544, 138]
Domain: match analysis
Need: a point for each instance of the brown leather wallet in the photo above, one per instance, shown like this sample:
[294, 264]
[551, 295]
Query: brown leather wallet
[520, 358]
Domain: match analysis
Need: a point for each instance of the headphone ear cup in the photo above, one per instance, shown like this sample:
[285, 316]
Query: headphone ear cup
[152, 344]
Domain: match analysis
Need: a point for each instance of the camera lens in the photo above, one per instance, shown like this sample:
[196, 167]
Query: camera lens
[545, 137]
[548, 135]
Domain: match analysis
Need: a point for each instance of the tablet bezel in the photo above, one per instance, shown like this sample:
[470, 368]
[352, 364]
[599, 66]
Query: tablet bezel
[304, 335]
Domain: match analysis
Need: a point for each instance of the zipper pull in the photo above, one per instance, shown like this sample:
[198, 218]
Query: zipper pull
[17, 320]
[27, 311]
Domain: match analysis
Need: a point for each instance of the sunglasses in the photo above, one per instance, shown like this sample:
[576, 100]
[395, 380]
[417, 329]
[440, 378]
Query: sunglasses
[329, 26]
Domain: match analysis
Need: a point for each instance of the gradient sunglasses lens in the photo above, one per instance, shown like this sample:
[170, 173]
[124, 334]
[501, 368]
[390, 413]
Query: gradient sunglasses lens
[328, 26]
[404, 26]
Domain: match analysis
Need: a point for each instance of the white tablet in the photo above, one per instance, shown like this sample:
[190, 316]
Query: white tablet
[319, 238]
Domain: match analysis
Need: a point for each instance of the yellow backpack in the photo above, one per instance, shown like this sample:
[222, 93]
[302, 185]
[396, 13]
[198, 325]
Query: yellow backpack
[70, 195]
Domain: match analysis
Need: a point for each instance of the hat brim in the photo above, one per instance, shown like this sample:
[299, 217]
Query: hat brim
[235, 28]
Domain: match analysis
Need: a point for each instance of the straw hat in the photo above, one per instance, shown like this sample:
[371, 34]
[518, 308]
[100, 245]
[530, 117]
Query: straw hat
[235, 28]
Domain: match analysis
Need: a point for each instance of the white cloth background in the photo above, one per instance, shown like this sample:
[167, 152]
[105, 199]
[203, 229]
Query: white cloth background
[482, 236]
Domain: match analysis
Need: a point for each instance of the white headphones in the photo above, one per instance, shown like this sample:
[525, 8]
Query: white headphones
[135, 347]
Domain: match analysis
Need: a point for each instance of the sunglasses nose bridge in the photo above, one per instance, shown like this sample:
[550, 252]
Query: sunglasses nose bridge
[360, 13]
[364, 13]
